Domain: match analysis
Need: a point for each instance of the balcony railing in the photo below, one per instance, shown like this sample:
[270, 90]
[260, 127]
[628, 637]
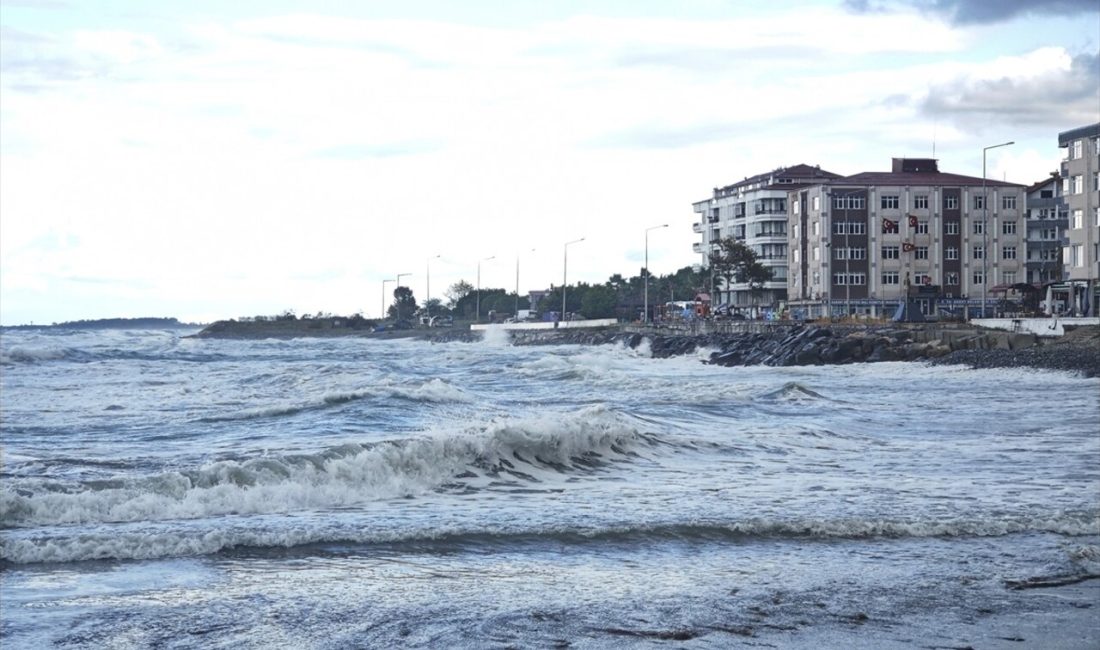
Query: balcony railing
[697, 227]
[698, 247]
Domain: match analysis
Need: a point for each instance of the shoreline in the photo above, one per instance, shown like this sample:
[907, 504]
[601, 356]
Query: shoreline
[798, 344]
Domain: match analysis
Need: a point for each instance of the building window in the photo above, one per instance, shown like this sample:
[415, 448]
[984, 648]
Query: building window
[1078, 258]
[1075, 153]
[890, 202]
[1008, 202]
[1078, 219]
[890, 252]
[850, 253]
[922, 252]
[817, 203]
[922, 227]
[817, 228]
[840, 279]
[817, 253]
[979, 201]
[979, 277]
[951, 253]
[890, 277]
[951, 279]
[951, 228]
[979, 227]
[1009, 277]
[797, 256]
[951, 202]
[1008, 253]
[921, 278]
[857, 279]
[920, 202]
[1078, 184]
[849, 228]
[977, 253]
[1008, 228]
[848, 202]
[796, 206]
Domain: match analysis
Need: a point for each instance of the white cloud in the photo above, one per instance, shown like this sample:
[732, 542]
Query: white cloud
[294, 161]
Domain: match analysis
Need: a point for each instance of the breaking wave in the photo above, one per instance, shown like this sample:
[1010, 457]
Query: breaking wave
[189, 538]
[348, 475]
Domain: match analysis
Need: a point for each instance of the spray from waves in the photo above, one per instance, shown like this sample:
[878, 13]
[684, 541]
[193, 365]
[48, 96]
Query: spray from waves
[345, 476]
[188, 538]
[497, 337]
[433, 391]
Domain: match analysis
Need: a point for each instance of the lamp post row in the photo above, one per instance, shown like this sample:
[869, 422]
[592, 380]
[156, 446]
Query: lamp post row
[564, 281]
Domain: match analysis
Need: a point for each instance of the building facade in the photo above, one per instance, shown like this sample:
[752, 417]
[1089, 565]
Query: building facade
[865, 244]
[1046, 223]
[754, 212]
[1080, 197]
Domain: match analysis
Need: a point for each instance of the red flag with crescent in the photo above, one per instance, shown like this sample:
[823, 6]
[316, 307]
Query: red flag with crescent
[912, 221]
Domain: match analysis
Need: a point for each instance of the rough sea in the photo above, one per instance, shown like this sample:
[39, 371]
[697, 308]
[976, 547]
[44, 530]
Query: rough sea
[172, 492]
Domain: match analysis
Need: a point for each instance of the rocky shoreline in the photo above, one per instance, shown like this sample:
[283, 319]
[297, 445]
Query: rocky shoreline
[1077, 352]
[797, 344]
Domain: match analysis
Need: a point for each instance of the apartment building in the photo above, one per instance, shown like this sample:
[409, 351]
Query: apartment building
[1045, 223]
[754, 212]
[1080, 197]
[866, 243]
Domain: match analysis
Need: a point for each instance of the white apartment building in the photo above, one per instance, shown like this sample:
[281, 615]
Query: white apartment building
[865, 244]
[754, 212]
[1080, 197]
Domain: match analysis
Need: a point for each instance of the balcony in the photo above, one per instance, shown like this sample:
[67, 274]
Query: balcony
[698, 247]
[697, 227]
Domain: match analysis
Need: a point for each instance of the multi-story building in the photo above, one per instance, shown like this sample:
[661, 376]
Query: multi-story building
[1081, 198]
[865, 244]
[754, 212]
[1045, 224]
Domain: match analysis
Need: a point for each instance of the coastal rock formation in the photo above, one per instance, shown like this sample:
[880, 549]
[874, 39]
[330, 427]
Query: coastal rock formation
[807, 344]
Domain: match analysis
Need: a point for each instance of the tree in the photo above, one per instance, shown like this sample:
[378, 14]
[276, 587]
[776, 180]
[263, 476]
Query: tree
[457, 292]
[736, 262]
[404, 304]
[599, 302]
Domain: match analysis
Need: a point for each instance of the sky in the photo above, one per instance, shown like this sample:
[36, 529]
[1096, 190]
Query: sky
[209, 160]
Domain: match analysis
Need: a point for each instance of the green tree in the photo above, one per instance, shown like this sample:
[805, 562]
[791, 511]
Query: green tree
[404, 304]
[457, 291]
[599, 301]
[735, 262]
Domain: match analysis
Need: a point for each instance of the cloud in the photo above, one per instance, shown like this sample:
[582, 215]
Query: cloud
[978, 12]
[380, 150]
[1053, 97]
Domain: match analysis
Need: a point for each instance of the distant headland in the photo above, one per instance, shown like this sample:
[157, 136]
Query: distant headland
[112, 324]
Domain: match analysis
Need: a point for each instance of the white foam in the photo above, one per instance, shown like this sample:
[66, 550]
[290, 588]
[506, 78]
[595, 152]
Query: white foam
[349, 475]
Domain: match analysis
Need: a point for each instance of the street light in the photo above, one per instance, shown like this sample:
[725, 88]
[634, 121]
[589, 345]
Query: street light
[985, 229]
[564, 273]
[645, 314]
[397, 304]
[516, 314]
[491, 257]
[428, 286]
[384, 297]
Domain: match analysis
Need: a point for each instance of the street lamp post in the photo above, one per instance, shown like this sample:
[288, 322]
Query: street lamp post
[384, 297]
[985, 229]
[491, 257]
[516, 314]
[645, 300]
[428, 286]
[399, 275]
[564, 273]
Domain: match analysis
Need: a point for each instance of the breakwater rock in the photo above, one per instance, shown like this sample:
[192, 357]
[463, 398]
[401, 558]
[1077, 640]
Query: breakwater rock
[807, 344]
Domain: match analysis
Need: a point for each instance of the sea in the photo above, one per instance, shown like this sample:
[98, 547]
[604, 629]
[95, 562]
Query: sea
[159, 490]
